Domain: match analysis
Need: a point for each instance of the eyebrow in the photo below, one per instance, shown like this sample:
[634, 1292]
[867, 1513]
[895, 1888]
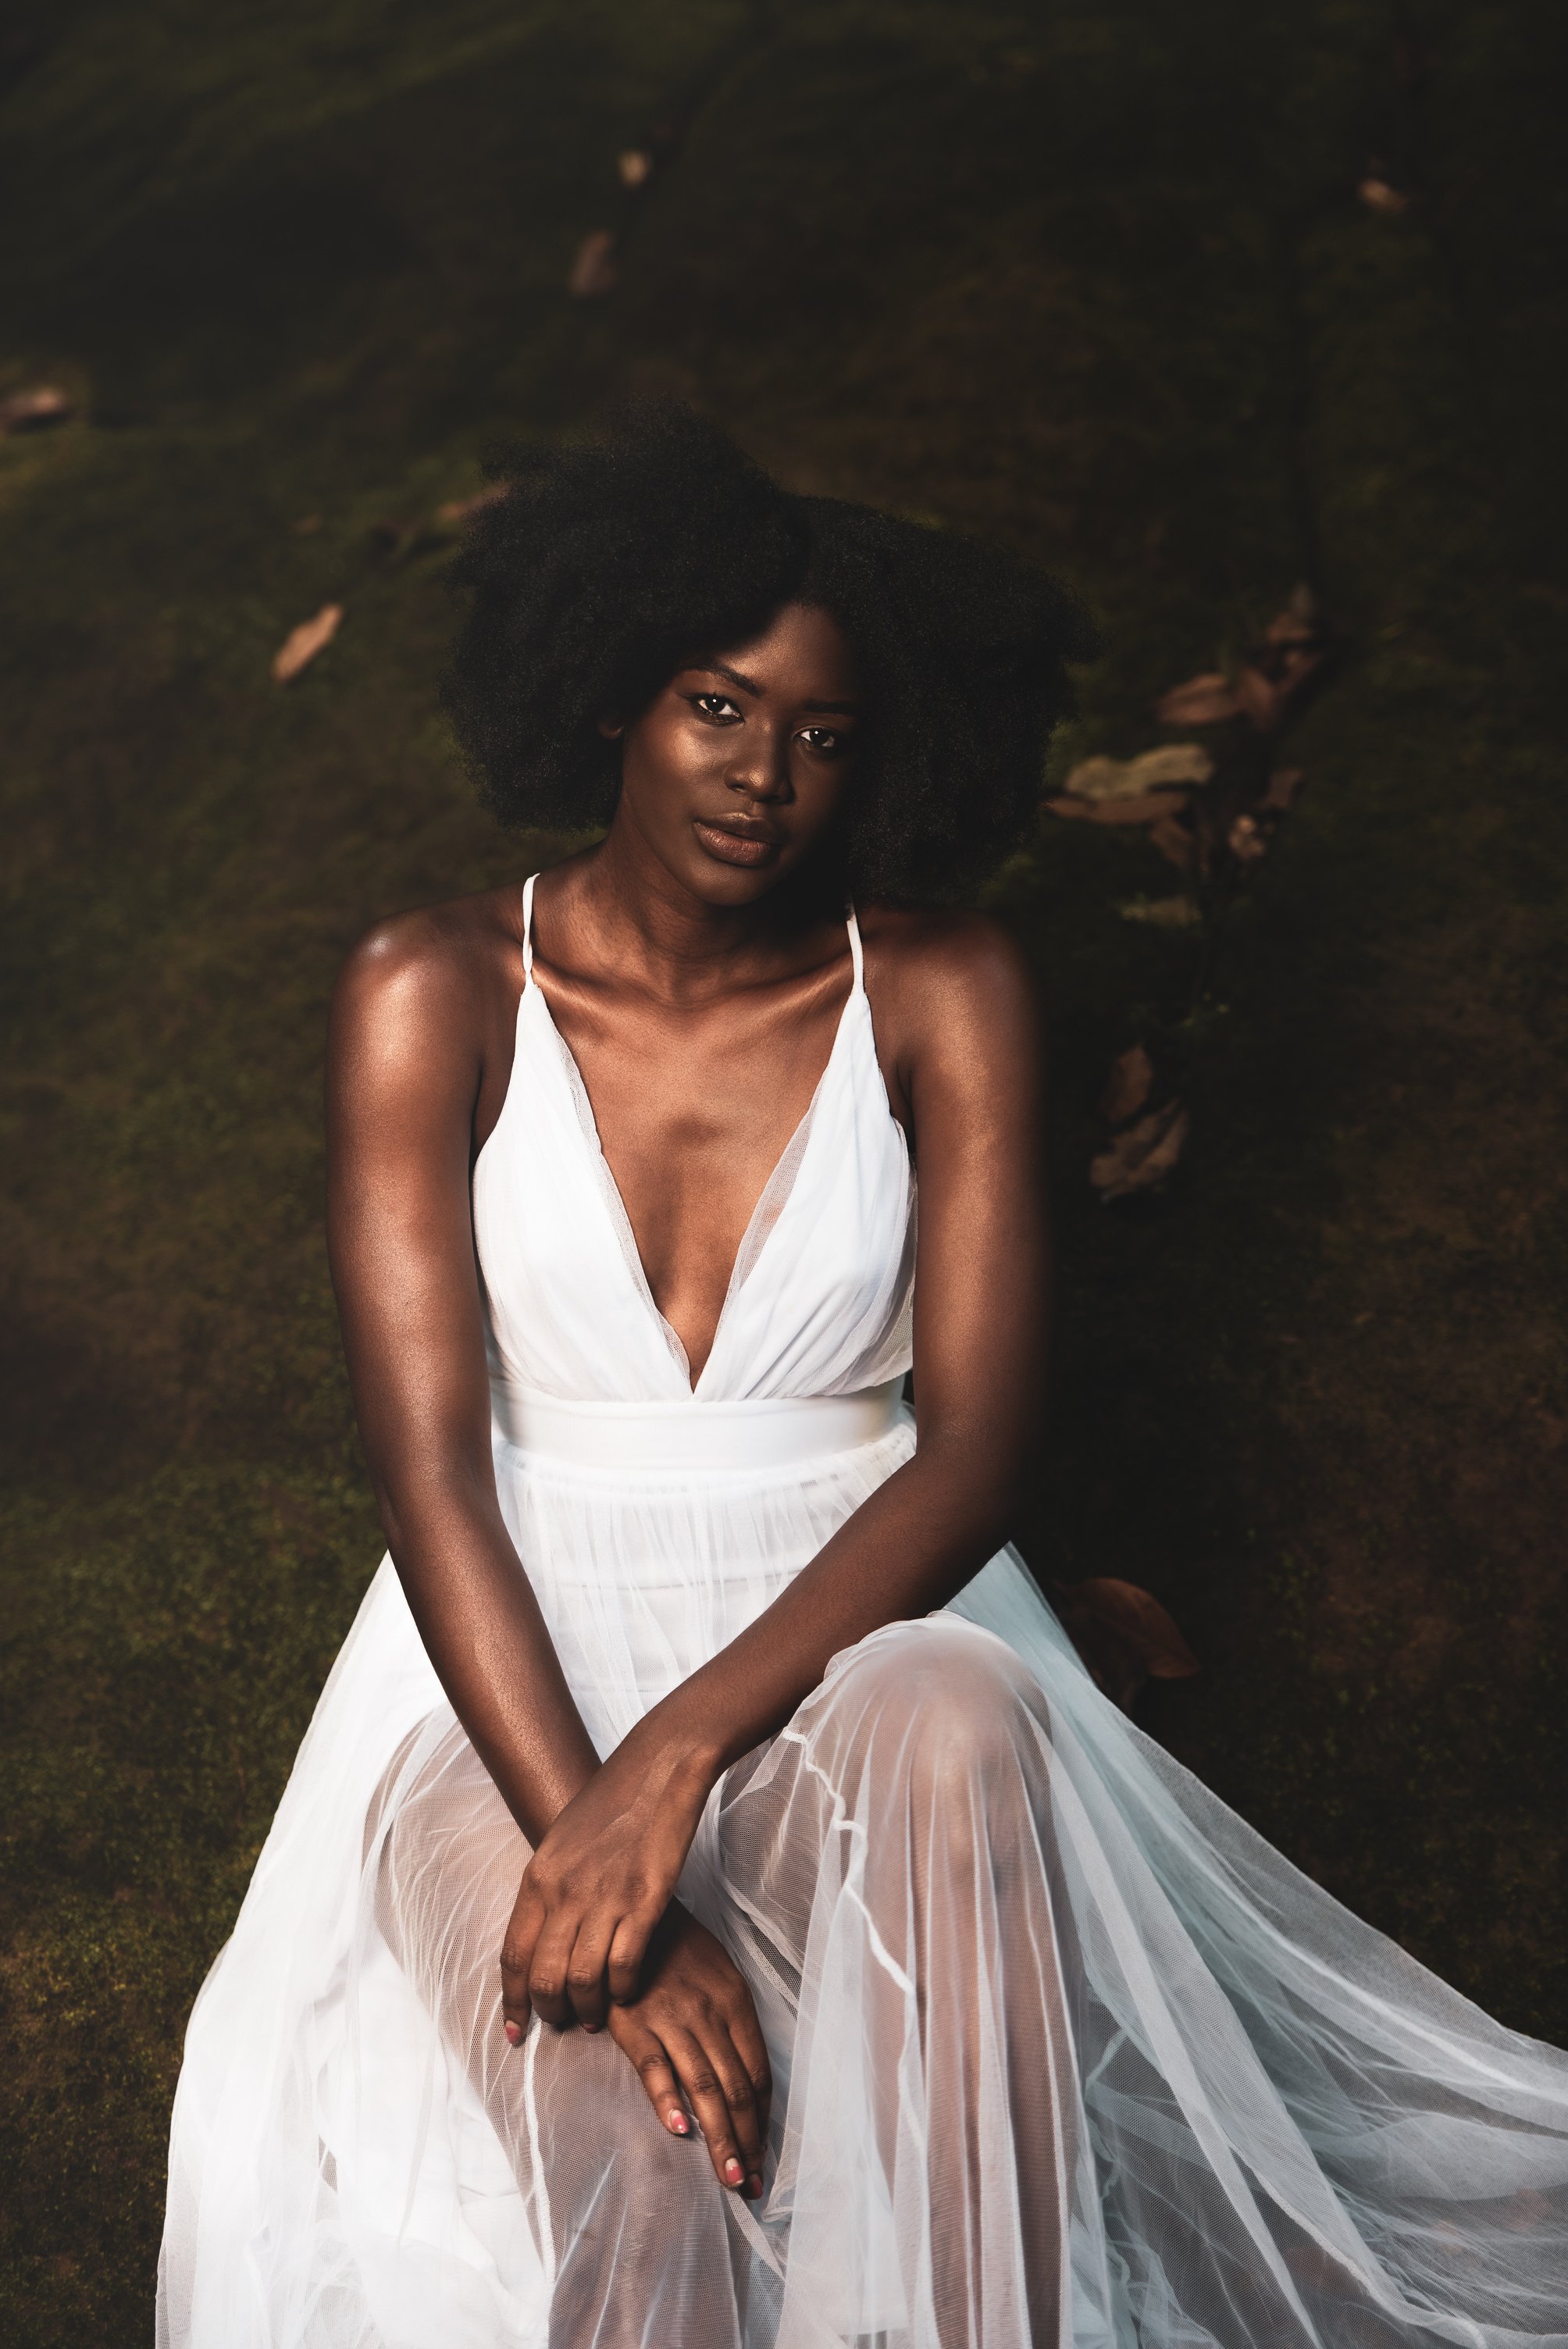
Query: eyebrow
[749, 685]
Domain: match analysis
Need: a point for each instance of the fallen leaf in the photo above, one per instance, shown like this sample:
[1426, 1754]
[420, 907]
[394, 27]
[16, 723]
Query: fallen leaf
[1203, 700]
[1162, 913]
[593, 270]
[457, 510]
[1140, 1156]
[1123, 1635]
[1246, 840]
[1380, 195]
[301, 646]
[1127, 1087]
[1173, 763]
[635, 167]
[1133, 790]
[29, 411]
[1270, 674]
[1148, 810]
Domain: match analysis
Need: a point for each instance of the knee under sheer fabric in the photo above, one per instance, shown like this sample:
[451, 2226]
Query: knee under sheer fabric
[1057, 2061]
[891, 1847]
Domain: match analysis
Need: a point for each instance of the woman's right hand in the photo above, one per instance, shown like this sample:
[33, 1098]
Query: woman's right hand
[692, 2032]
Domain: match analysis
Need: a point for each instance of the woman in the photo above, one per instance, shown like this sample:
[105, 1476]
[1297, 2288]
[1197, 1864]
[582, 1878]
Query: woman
[712, 1905]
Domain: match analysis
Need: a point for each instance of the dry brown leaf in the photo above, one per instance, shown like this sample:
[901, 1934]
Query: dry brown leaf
[1246, 840]
[1172, 764]
[1380, 195]
[1127, 1087]
[593, 269]
[1134, 790]
[30, 410]
[1203, 700]
[635, 167]
[301, 646]
[1293, 645]
[1123, 1635]
[1283, 784]
[1118, 812]
[457, 510]
[1140, 1156]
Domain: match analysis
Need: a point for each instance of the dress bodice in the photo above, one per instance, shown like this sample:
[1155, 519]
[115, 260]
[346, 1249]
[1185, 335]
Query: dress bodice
[819, 1300]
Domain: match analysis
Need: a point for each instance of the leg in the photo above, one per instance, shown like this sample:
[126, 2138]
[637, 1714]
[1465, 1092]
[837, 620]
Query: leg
[631, 2218]
[896, 1843]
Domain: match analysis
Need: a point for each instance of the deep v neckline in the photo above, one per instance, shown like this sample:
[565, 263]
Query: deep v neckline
[751, 1247]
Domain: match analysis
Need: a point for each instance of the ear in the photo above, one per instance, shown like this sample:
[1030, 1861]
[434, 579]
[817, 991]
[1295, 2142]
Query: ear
[612, 729]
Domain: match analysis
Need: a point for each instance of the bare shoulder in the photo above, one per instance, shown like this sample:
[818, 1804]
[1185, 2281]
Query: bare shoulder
[938, 970]
[433, 964]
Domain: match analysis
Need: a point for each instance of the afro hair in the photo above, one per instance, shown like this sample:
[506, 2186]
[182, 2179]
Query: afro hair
[606, 569]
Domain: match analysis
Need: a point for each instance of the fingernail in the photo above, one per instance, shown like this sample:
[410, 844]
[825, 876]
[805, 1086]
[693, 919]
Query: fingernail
[679, 2122]
[590, 2028]
[513, 2032]
[754, 2190]
[734, 2172]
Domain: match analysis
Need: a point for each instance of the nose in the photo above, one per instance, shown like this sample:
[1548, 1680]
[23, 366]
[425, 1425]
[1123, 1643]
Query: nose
[760, 768]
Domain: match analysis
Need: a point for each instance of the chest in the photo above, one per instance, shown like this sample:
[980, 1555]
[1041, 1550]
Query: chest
[694, 1111]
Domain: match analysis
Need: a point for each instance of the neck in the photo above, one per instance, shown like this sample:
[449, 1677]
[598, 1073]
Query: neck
[630, 914]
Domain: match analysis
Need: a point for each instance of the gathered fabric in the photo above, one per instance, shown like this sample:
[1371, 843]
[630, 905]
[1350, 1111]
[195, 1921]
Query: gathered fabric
[1066, 2055]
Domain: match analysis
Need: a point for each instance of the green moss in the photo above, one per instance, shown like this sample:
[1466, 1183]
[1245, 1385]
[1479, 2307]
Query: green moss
[1095, 281]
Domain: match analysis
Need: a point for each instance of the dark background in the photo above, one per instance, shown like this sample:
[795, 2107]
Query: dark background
[1093, 279]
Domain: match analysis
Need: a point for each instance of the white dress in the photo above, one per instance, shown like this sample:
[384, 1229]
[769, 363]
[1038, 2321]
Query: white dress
[1065, 2055]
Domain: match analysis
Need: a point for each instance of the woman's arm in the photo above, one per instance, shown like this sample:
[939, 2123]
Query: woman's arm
[973, 1083]
[972, 1076]
[403, 1075]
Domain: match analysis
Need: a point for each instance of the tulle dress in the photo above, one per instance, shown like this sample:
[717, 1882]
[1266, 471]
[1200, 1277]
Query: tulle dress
[1066, 2053]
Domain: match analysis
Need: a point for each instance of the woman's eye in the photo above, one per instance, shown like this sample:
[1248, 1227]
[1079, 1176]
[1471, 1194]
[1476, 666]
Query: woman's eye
[824, 738]
[715, 705]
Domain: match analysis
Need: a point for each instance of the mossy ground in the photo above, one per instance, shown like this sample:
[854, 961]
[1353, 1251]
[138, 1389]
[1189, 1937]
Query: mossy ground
[1092, 279]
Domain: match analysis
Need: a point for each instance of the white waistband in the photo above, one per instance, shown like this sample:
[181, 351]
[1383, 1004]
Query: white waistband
[640, 1436]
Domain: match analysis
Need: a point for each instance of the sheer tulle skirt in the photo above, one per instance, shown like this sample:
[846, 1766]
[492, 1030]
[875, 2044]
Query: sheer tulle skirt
[1065, 2054]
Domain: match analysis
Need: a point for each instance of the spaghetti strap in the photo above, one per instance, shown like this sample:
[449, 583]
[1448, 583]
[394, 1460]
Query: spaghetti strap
[857, 951]
[528, 930]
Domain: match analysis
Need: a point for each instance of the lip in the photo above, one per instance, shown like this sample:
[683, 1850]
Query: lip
[730, 845]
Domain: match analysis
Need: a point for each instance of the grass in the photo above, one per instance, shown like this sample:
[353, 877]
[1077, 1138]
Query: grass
[1094, 281]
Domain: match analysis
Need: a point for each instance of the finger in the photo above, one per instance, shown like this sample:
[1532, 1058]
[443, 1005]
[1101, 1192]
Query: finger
[585, 1987]
[739, 2091]
[516, 1958]
[628, 1948]
[699, 2080]
[547, 1973]
[657, 2075]
[752, 2050]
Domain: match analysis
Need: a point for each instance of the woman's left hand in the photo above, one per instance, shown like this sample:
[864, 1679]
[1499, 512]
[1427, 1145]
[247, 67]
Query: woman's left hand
[599, 1880]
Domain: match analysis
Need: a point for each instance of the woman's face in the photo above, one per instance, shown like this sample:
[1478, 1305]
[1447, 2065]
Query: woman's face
[737, 768]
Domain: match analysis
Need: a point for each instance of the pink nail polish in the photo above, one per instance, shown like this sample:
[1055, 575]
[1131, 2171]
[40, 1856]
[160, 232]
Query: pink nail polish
[680, 2124]
[734, 2172]
[513, 2032]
